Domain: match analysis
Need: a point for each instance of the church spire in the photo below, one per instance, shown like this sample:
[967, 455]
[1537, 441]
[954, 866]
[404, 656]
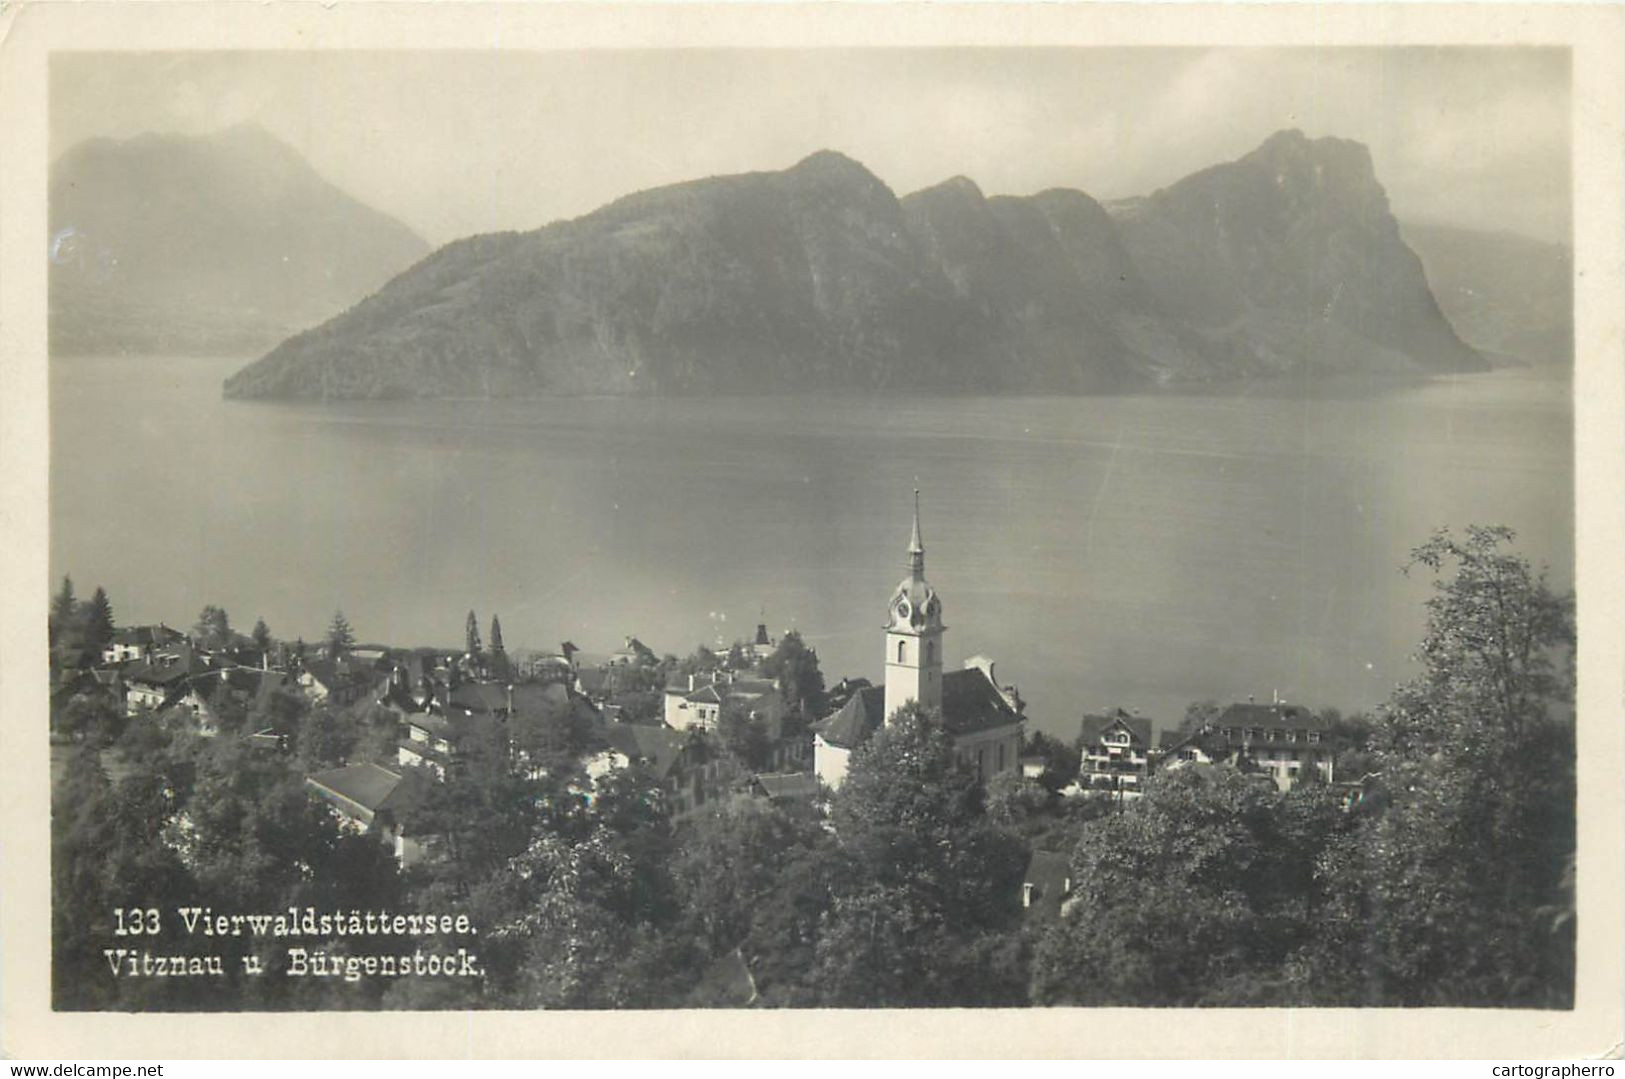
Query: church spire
[916, 549]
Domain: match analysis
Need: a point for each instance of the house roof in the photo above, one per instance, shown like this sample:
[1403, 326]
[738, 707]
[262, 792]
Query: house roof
[658, 747]
[1096, 725]
[162, 674]
[143, 635]
[481, 697]
[367, 786]
[787, 784]
[1047, 871]
[1266, 716]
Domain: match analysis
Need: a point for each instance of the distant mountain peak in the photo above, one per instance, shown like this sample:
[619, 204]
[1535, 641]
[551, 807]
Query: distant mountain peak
[831, 162]
[1291, 148]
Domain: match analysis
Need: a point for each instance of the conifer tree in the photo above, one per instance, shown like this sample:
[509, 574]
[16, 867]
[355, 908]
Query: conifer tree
[340, 637]
[473, 634]
[63, 606]
[262, 635]
[98, 620]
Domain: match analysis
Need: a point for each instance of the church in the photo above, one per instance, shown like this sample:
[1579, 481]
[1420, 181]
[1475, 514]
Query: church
[983, 718]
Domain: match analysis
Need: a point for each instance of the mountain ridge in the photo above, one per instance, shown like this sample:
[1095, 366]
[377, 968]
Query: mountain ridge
[819, 276]
[165, 242]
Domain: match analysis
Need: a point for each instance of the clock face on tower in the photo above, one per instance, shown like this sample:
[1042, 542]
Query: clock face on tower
[902, 609]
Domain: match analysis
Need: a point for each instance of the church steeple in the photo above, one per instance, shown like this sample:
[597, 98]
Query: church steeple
[916, 549]
[914, 633]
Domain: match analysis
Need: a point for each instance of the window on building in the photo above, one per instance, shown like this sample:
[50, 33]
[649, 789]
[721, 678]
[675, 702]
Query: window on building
[930, 652]
[1314, 736]
[1001, 756]
[902, 651]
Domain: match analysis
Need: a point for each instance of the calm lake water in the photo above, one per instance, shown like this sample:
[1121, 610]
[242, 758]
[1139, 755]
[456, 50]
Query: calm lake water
[1143, 551]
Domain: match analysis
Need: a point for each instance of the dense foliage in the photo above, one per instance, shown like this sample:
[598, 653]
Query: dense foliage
[1442, 875]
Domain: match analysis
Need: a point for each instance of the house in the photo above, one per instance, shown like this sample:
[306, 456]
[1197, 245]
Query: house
[1046, 884]
[633, 654]
[1114, 752]
[140, 642]
[443, 743]
[369, 799]
[784, 787]
[1285, 741]
[689, 770]
[983, 719]
[150, 684]
[695, 702]
[340, 681]
[225, 696]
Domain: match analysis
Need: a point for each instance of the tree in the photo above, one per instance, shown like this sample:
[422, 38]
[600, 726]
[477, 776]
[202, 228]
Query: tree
[1196, 893]
[213, 628]
[497, 648]
[1443, 894]
[63, 608]
[261, 635]
[931, 875]
[795, 667]
[1061, 761]
[340, 637]
[98, 617]
[472, 636]
[745, 736]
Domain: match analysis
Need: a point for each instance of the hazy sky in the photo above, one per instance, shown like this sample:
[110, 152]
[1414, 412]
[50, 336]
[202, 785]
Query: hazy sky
[457, 143]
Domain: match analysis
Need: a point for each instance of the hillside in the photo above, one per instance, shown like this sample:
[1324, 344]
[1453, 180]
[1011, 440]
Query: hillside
[1507, 295]
[218, 243]
[1289, 258]
[819, 277]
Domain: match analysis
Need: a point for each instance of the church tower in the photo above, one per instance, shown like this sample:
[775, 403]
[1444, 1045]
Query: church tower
[914, 634]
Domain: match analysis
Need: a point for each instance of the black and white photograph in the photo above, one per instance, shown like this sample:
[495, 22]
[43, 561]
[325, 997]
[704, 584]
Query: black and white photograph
[811, 527]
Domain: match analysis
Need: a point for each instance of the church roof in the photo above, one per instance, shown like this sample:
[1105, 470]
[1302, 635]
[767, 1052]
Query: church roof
[970, 703]
[854, 721]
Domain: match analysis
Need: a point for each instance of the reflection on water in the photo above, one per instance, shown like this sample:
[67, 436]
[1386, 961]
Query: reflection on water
[1136, 550]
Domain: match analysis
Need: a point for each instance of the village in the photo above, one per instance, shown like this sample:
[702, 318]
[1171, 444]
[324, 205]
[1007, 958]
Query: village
[752, 718]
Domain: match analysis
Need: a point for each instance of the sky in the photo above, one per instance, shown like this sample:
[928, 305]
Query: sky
[461, 143]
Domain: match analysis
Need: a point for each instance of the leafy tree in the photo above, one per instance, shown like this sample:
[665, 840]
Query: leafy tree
[795, 667]
[1190, 895]
[261, 635]
[1013, 799]
[1061, 761]
[729, 858]
[340, 637]
[1198, 714]
[98, 618]
[1444, 894]
[92, 718]
[744, 736]
[931, 875]
[213, 628]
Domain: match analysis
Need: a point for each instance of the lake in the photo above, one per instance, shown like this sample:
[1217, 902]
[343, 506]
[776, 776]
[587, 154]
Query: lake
[1143, 551]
